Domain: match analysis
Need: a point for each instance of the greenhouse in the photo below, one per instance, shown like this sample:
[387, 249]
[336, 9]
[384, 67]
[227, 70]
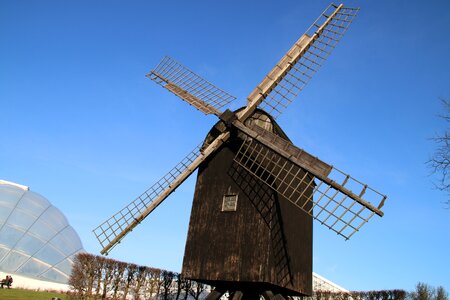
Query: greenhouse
[36, 239]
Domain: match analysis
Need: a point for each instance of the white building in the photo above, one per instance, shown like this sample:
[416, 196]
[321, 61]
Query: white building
[37, 244]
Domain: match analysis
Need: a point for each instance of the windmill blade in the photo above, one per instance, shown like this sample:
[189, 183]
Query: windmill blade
[330, 196]
[113, 230]
[190, 87]
[291, 74]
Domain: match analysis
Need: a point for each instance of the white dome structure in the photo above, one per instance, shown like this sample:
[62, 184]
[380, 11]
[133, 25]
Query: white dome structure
[35, 238]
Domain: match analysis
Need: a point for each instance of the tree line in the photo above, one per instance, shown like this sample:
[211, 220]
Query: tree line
[423, 291]
[98, 277]
[369, 295]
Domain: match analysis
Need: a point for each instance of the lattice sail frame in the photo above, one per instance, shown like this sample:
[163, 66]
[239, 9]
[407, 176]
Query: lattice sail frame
[111, 228]
[304, 59]
[333, 201]
[190, 87]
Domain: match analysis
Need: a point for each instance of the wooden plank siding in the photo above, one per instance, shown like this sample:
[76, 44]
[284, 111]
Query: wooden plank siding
[266, 244]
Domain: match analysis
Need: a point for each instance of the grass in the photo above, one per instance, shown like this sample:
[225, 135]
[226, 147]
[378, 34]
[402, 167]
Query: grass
[21, 294]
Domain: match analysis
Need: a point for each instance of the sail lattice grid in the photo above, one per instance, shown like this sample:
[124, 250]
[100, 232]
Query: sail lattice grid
[337, 202]
[190, 87]
[324, 33]
[111, 228]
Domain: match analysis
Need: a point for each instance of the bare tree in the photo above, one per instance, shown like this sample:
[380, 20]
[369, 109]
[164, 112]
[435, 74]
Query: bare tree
[183, 285]
[107, 276]
[140, 282]
[78, 278]
[197, 289]
[166, 283]
[178, 286]
[439, 163]
[187, 285]
[152, 283]
[129, 279]
[90, 269]
[99, 266]
[119, 270]
[441, 293]
[423, 292]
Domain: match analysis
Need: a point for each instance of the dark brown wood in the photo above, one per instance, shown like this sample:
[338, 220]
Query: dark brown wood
[215, 294]
[237, 295]
[264, 244]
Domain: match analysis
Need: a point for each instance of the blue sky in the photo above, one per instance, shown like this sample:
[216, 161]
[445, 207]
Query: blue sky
[81, 125]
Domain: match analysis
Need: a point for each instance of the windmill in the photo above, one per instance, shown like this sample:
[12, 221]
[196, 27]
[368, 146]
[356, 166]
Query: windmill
[250, 230]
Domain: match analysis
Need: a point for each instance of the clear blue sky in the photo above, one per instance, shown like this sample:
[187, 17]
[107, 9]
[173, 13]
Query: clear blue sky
[81, 125]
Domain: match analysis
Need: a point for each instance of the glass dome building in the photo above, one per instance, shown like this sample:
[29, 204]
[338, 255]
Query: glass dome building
[35, 238]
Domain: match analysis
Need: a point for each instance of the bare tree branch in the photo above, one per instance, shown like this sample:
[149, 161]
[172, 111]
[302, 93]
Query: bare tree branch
[439, 163]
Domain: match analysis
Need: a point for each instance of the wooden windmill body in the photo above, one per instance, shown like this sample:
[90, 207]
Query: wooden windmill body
[241, 233]
[250, 231]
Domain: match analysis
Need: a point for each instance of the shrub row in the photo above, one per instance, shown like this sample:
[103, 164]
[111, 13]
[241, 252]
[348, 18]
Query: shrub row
[370, 295]
[99, 277]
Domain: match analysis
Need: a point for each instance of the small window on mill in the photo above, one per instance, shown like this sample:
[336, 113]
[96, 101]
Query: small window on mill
[229, 202]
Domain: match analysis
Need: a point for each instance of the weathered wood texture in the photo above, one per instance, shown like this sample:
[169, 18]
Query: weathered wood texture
[266, 244]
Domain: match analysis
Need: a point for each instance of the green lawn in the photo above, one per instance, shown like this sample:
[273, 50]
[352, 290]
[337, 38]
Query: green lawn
[20, 294]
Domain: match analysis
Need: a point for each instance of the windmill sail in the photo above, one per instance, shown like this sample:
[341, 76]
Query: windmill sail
[291, 74]
[338, 201]
[113, 230]
[190, 87]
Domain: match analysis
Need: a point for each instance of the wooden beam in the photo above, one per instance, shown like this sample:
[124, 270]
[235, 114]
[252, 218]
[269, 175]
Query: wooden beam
[176, 183]
[282, 68]
[299, 162]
